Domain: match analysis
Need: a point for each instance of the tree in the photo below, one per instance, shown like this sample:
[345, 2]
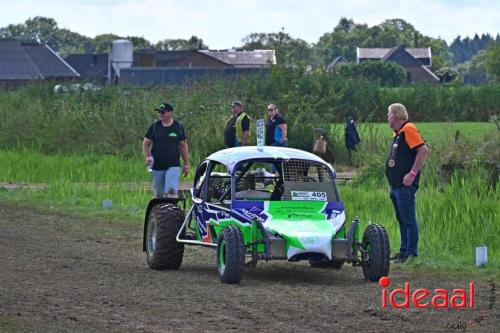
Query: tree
[347, 36]
[193, 43]
[289, 51]
[463, 50]
[45, 30]
[344, 39]
[449, 75]
[139, 42]
[492, 61]
[386, 73]
[474, 70]
[345, 25]
[103, 41]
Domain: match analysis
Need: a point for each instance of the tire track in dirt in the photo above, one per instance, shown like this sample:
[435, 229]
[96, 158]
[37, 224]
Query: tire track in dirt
[60, 273]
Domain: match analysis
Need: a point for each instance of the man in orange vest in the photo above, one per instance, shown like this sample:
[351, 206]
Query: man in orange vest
[406, 157]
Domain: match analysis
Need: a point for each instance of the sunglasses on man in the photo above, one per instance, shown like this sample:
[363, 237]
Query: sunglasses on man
[163, 112]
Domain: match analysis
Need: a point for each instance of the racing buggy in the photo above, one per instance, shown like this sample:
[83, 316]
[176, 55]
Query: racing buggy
[263, 203]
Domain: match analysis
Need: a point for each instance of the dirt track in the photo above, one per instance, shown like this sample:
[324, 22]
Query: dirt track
[59, 273]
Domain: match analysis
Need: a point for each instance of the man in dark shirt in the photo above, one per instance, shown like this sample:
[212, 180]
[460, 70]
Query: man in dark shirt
[406, 157]
[276, 128]
[237, 132]
[351, 135]
[168, 140]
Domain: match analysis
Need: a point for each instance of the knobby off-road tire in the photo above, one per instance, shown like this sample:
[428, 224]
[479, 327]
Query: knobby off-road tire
[376, 261]
[230, 255]
[162, 250]
[328, 264]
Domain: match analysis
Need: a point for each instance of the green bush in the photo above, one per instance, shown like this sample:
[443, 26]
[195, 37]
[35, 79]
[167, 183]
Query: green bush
[114, 119]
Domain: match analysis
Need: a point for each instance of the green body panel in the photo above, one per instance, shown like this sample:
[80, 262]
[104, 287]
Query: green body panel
[304, 225]
[298, 222]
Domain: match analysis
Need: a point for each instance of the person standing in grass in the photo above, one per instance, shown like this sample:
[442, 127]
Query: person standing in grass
[163, 144]
[405, 159]
[276, 129]
[351, 137]
[237, 132]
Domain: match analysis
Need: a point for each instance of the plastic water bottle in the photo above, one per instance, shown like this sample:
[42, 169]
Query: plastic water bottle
[149, 165]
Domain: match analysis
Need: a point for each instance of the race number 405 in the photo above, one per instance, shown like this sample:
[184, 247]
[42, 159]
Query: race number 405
[309, 195]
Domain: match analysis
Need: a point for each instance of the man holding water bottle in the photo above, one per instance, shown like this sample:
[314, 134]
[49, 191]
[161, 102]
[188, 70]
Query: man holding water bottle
[163, 144]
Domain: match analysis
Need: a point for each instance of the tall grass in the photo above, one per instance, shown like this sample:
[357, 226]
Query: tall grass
[28, 166]
[113, 120]
[454, 219]
[454, 216]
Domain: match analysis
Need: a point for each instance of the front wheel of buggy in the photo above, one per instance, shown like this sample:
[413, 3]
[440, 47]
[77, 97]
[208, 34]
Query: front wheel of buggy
[230, 255]
[375, 252]
[162, 249]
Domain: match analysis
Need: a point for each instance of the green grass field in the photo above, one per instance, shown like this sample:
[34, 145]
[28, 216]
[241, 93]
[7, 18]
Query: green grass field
[432, 132]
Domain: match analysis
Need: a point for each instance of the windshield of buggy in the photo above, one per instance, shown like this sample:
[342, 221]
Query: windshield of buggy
[295, 180]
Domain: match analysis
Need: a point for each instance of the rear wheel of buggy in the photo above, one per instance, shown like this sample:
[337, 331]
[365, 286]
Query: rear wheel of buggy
[375, 252]
[327, 264]
[162, 249]
[230, 255]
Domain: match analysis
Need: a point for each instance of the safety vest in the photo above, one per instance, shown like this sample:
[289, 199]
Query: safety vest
[239, 129]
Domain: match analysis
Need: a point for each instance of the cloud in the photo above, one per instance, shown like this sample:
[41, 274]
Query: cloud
[223, 23]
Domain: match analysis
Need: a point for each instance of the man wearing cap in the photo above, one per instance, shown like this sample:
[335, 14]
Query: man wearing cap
[237, 132]
[168, 140]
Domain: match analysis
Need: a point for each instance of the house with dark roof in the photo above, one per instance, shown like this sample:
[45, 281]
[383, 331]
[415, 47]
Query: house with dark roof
[178, 67]
[244, 59]
[415, 61]
[24, 61]
[164, 67]
[178, 59]
[91, 67]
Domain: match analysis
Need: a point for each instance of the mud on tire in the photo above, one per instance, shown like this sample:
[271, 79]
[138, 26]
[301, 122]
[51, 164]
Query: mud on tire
[375, 260]
[162, 249]
[230, 255]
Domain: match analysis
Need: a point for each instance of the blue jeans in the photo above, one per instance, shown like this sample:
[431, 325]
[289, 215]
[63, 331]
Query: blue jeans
[403, 200]
[166, 180]
[279, 144]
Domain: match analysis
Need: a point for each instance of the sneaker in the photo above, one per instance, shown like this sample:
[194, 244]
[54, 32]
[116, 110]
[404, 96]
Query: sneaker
[404, 259]
[171, 194]
[397, 256]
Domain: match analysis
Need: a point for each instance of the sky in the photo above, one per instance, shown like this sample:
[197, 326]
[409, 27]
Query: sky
[222, 24]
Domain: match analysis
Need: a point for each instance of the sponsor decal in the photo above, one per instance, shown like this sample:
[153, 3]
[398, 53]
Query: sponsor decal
[309, 196]
[251, 215]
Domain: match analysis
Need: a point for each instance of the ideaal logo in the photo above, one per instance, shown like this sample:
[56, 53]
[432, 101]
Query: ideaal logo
[478, 319]
[440, 298]
[422, 298]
